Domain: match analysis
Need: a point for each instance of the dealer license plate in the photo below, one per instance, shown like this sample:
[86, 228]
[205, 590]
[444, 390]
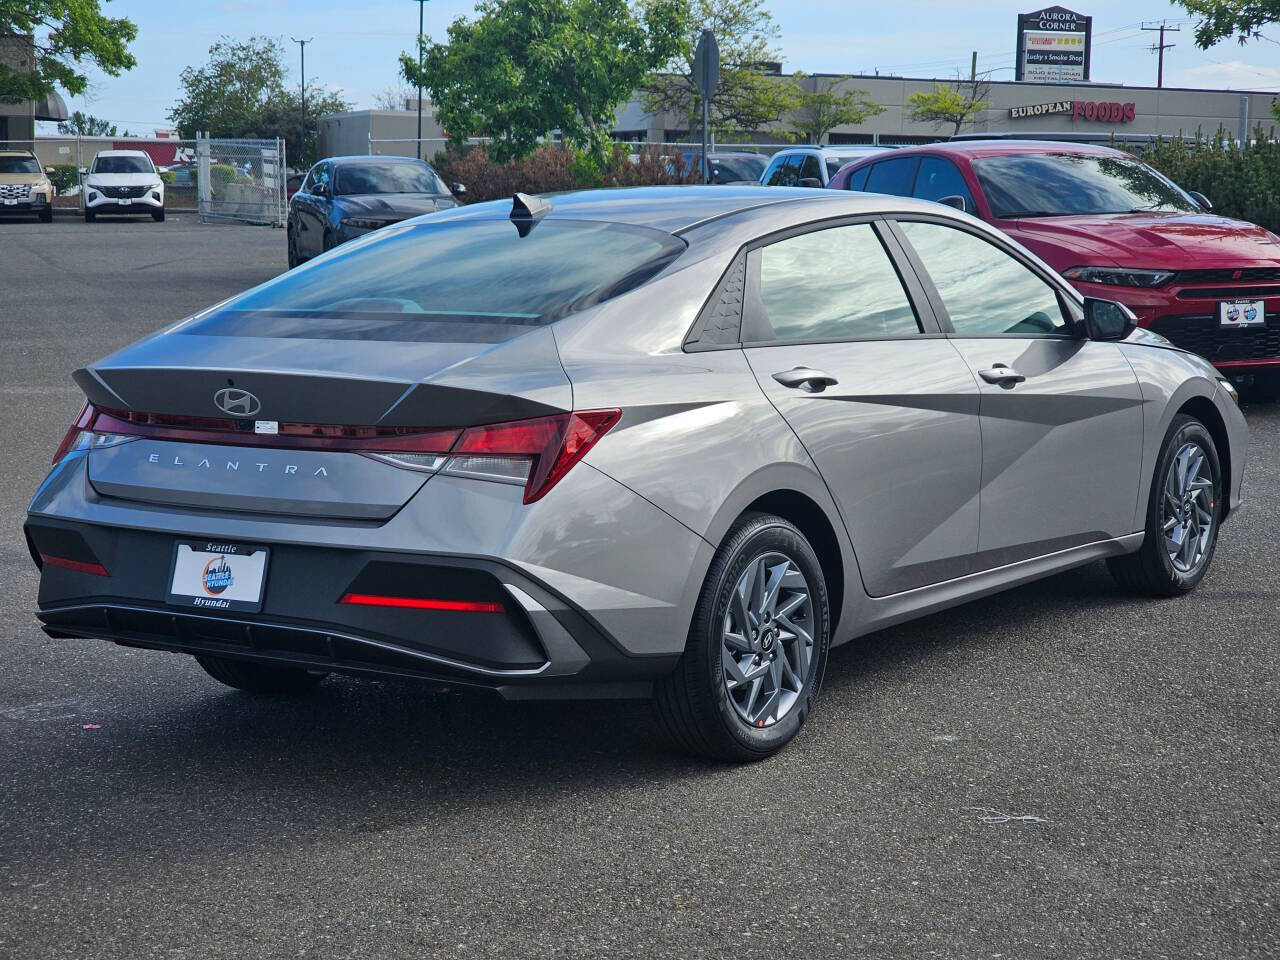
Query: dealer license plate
[1242, 313]
[218, 576]
[11, 203]
[124, 203]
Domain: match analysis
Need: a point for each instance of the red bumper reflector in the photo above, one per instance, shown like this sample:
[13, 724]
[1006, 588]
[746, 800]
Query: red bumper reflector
[420, 603]
[79, 566]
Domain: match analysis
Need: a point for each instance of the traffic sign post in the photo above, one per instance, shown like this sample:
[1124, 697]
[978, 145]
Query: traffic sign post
[706, 73]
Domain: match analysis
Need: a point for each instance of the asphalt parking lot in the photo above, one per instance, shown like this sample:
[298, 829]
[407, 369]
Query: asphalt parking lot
[1060, 771]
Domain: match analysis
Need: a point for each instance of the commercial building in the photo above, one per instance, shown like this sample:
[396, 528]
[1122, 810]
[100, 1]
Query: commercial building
[18, 120]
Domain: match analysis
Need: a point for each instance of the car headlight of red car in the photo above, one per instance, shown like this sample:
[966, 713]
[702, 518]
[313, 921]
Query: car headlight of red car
[1119, 276]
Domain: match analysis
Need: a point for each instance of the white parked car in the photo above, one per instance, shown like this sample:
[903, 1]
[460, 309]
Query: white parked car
[122, 181]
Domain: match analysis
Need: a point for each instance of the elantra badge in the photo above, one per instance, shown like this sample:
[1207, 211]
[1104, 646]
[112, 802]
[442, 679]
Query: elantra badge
[238, 403]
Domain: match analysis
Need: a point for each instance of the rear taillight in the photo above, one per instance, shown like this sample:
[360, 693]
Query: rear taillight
[534, 453]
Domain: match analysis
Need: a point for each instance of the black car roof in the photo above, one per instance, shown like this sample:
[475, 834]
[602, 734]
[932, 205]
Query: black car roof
[363, 158]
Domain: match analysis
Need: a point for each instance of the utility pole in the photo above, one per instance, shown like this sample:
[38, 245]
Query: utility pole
[1161, 47]
[973, 68]
[302, 51]
[421, 5]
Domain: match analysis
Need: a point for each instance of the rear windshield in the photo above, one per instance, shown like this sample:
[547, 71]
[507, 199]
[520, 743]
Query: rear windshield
[1062, 184]
[122, 165]
[19, 165]
[394, 177]
[465, 281]
[728, 169]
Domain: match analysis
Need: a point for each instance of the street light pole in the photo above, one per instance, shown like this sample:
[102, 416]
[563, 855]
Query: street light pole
[421, 5]
[302, 50]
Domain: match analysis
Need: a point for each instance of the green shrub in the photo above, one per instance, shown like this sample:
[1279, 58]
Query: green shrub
[166, 177]
[553, 168]
[1240, 180]
[220, 174]
[64, 177]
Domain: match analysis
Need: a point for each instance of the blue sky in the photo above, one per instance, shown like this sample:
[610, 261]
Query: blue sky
[355, 44]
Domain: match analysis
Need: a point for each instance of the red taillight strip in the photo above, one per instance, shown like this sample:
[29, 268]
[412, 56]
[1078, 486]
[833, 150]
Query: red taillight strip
[315, 436]
[420, 603]
[79, 566]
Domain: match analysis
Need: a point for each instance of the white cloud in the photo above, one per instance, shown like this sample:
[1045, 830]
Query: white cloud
[1230, 75]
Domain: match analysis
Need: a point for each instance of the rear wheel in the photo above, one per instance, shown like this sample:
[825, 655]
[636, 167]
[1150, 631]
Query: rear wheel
[757, 649]
[259, 677]
[1182, 516]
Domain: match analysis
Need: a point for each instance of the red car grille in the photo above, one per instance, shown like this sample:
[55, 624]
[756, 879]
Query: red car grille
[1229, 293]
[1244, 275]
[1204, 335]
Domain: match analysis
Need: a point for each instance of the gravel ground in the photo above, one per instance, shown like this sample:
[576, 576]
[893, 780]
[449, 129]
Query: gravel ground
[1060, 771]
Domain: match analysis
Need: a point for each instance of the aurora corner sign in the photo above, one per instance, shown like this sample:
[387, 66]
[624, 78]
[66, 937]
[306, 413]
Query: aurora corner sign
[1053, 46]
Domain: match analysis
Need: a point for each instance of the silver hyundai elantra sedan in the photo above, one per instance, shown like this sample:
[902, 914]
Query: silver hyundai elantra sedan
[665, 442]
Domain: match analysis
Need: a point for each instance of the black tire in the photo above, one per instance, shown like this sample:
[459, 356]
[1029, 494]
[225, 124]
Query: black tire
[326, 243]
[693, 703]
[46, 215]
[89, 216]
[291, 244]
[158, 215]
[261, 678]
[1151, 571]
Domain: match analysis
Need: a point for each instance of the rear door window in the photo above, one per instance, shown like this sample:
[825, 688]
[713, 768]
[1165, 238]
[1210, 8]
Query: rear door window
[831, 284]
[810, 168]
[938, 178]
[858, 179]
[893, 176]
[785, 171]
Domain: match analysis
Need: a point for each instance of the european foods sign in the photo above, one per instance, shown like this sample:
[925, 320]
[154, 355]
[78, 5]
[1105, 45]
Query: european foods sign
[1094, 111]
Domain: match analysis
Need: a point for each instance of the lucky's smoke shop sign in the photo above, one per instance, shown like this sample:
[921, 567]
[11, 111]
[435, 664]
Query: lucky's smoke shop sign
[1053, 46]
[1099, 111]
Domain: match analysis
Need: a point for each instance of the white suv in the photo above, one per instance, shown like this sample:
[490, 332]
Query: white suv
[811, 166]
[122, 181]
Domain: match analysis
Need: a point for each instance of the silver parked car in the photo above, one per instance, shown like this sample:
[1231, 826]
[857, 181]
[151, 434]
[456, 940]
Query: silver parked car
[667, 442]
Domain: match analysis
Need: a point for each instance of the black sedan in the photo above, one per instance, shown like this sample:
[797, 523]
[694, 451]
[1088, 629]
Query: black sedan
[346, 197]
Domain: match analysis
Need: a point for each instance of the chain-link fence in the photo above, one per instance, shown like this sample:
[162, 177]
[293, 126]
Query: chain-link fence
[241, 180]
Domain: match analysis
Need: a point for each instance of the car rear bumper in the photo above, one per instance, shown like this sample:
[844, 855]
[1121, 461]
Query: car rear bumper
[1187, 316]
[554, 620]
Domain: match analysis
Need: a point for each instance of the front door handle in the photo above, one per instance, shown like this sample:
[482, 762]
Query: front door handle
[1003, 374]
[806, 379]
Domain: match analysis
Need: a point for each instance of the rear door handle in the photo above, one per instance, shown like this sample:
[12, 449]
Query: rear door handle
[806, 379]
[1002, 374]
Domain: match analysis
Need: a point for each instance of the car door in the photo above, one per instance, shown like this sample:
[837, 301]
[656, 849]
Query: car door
[1061, 414]
[313, 211]
[844, 344]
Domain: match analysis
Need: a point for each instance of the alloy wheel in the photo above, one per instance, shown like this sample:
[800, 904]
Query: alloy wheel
[1187, 509]
[767, 640]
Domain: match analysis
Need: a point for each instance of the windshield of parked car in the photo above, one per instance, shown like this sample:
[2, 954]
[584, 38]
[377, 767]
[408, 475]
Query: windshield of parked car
[729, 169]
[122, 165]
[1063, 184]
[463, 281]
[19, 165]
[359, 178]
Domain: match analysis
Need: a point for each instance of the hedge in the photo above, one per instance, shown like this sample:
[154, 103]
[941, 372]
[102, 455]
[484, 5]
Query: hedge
[1240, 180]
[64, 177]
[550, 169]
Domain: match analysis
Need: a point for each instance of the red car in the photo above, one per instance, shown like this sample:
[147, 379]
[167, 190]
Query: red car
[1115, 227]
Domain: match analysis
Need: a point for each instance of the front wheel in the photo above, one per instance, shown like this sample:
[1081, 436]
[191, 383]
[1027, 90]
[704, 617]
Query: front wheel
[264, 678]
[757, 649]
[89, 216]
[1183, 512]
[291, 246]
[158, 215]
[46, 215]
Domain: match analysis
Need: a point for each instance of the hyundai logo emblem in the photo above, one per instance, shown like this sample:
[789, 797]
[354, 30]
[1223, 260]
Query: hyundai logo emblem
[238, 403]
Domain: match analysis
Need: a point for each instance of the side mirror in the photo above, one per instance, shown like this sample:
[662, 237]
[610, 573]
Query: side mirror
[48, 170]
[1201, 200]
[955, 200]
[84, 171]
[1108, 320]
[459, 188]
[810, 182]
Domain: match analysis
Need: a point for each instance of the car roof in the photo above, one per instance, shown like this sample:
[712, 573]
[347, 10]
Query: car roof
[17, 153]
[844, 150]
[675, 209]
[367, 158]
[995, 148]
[122, 153]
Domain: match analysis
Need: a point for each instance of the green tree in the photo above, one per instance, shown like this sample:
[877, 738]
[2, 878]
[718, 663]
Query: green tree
[956, 105]
[68, 34]
[748, 98]
[824, 108]
[86, 125]
[242, 92]
[1242, 19]
[524, 68]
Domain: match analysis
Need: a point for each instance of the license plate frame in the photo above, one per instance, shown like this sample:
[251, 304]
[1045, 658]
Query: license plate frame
[1242, 314]
[10, 203]
[125, 202]
[196, 579]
